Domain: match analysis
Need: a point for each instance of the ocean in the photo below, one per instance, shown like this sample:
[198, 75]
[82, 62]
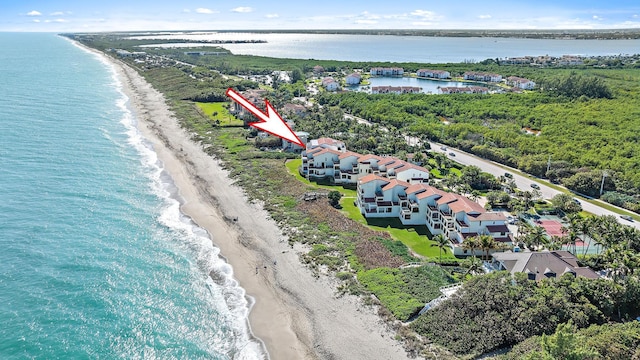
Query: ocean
[421, 49]
[96, 259]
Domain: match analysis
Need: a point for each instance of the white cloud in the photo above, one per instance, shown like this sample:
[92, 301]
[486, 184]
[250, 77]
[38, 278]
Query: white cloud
[635, 16]
[36, 20]
[57, 13]
[366, 22]
[205, 11]
[425, 14]
[56, 21]
[421, 23]
[34, 13]
[272, 16]
[484, 17]
[242, 9]
[370, 16]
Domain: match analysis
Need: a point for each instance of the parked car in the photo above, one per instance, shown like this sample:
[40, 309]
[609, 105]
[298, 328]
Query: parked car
[508, 175]
[626, 217]
[452, 154]
[535, 186]
[443, 148]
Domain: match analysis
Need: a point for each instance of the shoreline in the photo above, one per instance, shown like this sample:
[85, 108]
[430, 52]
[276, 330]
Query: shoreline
[291, 313]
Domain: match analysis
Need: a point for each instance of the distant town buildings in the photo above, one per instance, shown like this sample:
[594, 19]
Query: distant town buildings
[464, 90]
[330, 84]
[254, 96]
[482, 76]
[386, 71]
[353, 79]
[395, 89]
[435, 74]
[522, 83]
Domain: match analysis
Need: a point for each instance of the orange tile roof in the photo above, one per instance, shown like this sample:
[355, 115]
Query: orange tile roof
[464, 204]
[446, 198]
[372, 177]
[346, 154]
[368, 157]
[417, 187]
[430, 192]
[395, 183]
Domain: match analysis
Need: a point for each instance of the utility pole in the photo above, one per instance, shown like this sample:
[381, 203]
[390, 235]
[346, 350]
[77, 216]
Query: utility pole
[548, 165]
[604, 175]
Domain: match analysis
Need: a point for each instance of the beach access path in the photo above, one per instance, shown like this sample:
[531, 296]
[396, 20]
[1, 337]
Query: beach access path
[295, 315]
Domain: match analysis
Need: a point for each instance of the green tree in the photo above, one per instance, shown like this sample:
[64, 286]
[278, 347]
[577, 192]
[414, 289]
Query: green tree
[441, 242]
[334, 198]
[565, 344]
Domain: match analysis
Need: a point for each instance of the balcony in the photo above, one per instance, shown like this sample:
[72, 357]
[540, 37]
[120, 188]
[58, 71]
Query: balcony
[462, 223]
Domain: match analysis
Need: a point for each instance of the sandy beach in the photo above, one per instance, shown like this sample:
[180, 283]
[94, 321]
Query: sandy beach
[295, 315]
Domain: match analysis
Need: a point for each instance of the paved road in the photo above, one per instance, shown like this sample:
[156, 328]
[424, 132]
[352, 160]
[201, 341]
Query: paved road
[522, 180]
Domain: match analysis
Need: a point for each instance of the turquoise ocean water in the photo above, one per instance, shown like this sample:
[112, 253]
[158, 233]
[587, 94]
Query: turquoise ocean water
[96, 261]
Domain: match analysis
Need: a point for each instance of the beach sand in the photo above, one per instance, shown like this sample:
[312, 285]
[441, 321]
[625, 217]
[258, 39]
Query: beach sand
[295, 315]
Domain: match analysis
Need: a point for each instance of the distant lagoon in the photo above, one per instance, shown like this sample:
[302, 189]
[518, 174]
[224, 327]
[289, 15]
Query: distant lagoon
[427, 86]
[420, 49]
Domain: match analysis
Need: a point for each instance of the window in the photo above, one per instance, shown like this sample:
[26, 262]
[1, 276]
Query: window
[388, 210]
[414, 210]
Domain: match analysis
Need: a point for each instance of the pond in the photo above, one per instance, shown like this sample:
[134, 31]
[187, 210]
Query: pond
[428, 86]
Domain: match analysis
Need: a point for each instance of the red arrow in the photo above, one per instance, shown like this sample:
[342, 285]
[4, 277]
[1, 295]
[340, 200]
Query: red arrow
[271, 120]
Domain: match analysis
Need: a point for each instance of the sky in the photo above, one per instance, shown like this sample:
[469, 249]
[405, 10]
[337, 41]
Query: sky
[137, 15]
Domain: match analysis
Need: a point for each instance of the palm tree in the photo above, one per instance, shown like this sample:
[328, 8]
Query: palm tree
[487, 243]
[441, 242]
[471, 244]
[556, 243]
[586, 227]
[537, 237]
[572, 229]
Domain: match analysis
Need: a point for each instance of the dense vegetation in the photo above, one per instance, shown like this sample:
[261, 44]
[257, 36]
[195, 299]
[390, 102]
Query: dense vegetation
[405, 291]
[496, 310]
[583, 134]
[608, 341]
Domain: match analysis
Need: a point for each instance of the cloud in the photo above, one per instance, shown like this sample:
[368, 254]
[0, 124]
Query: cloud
[57, 13]
[596, 17]
[484, 17]
[36, 20]
[425, 14]
[205, 11]
[635, 16]
[272, 16]
[421, 23]
[34, 13]
[56, 21]
[242, 9]
[366, 22]
[369, 16]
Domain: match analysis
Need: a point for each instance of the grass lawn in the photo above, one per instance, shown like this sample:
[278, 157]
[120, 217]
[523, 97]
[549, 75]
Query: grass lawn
[222, 114]
[293, 165]
[415, 237]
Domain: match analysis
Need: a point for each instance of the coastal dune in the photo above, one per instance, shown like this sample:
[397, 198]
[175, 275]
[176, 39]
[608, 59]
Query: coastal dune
[295, 315]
